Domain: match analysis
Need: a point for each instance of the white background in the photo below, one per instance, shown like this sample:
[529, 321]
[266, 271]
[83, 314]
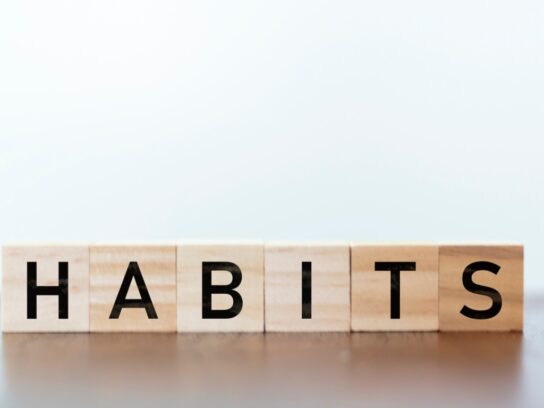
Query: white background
[307, 120]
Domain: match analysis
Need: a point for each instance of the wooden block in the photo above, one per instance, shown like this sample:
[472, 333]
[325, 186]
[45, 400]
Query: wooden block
[145, 275]
[65, 308]
[404, 300]
[481, 288]
[235, 302]
[307, 287]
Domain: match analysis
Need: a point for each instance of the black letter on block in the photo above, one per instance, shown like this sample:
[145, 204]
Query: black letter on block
[133, 272]
[208, 290]
[395, 268]
[33, 290]
[306, 290]
[481, 290]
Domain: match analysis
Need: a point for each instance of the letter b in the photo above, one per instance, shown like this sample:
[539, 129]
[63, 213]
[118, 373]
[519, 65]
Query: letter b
[208, 290]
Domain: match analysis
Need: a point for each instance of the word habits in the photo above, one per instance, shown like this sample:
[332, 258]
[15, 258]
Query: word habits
[255, 287]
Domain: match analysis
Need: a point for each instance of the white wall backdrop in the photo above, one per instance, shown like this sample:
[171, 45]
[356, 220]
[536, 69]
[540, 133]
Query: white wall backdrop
[311, 120]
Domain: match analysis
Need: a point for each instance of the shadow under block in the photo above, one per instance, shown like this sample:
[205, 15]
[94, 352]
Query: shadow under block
[380, 302]
[145, 270]
[221, 263]
[327, 308]
[506, 281]
[47, 262]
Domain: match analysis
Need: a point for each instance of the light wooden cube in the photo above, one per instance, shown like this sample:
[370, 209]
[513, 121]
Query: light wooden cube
[498, 269]
[110, 265]
[381, 303]
[49, 264]
[289, 275]
[222, 261]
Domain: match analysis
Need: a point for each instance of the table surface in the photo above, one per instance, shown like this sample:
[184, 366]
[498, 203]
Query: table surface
[383, 369]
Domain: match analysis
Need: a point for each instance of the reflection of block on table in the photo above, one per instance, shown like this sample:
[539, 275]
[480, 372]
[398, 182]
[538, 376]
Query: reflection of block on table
[323, 270]
[146, 270]
[222, 261]
[403, 300]
[60, 294]
[493, 276]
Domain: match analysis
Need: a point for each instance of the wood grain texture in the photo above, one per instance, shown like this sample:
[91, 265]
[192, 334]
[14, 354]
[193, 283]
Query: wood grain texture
[108, 266]
[47, 258]
[371, 289]
[249, 258]
[330, 287]
[508, 282]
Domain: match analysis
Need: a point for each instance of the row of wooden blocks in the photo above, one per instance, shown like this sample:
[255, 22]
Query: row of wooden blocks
[256, 287]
